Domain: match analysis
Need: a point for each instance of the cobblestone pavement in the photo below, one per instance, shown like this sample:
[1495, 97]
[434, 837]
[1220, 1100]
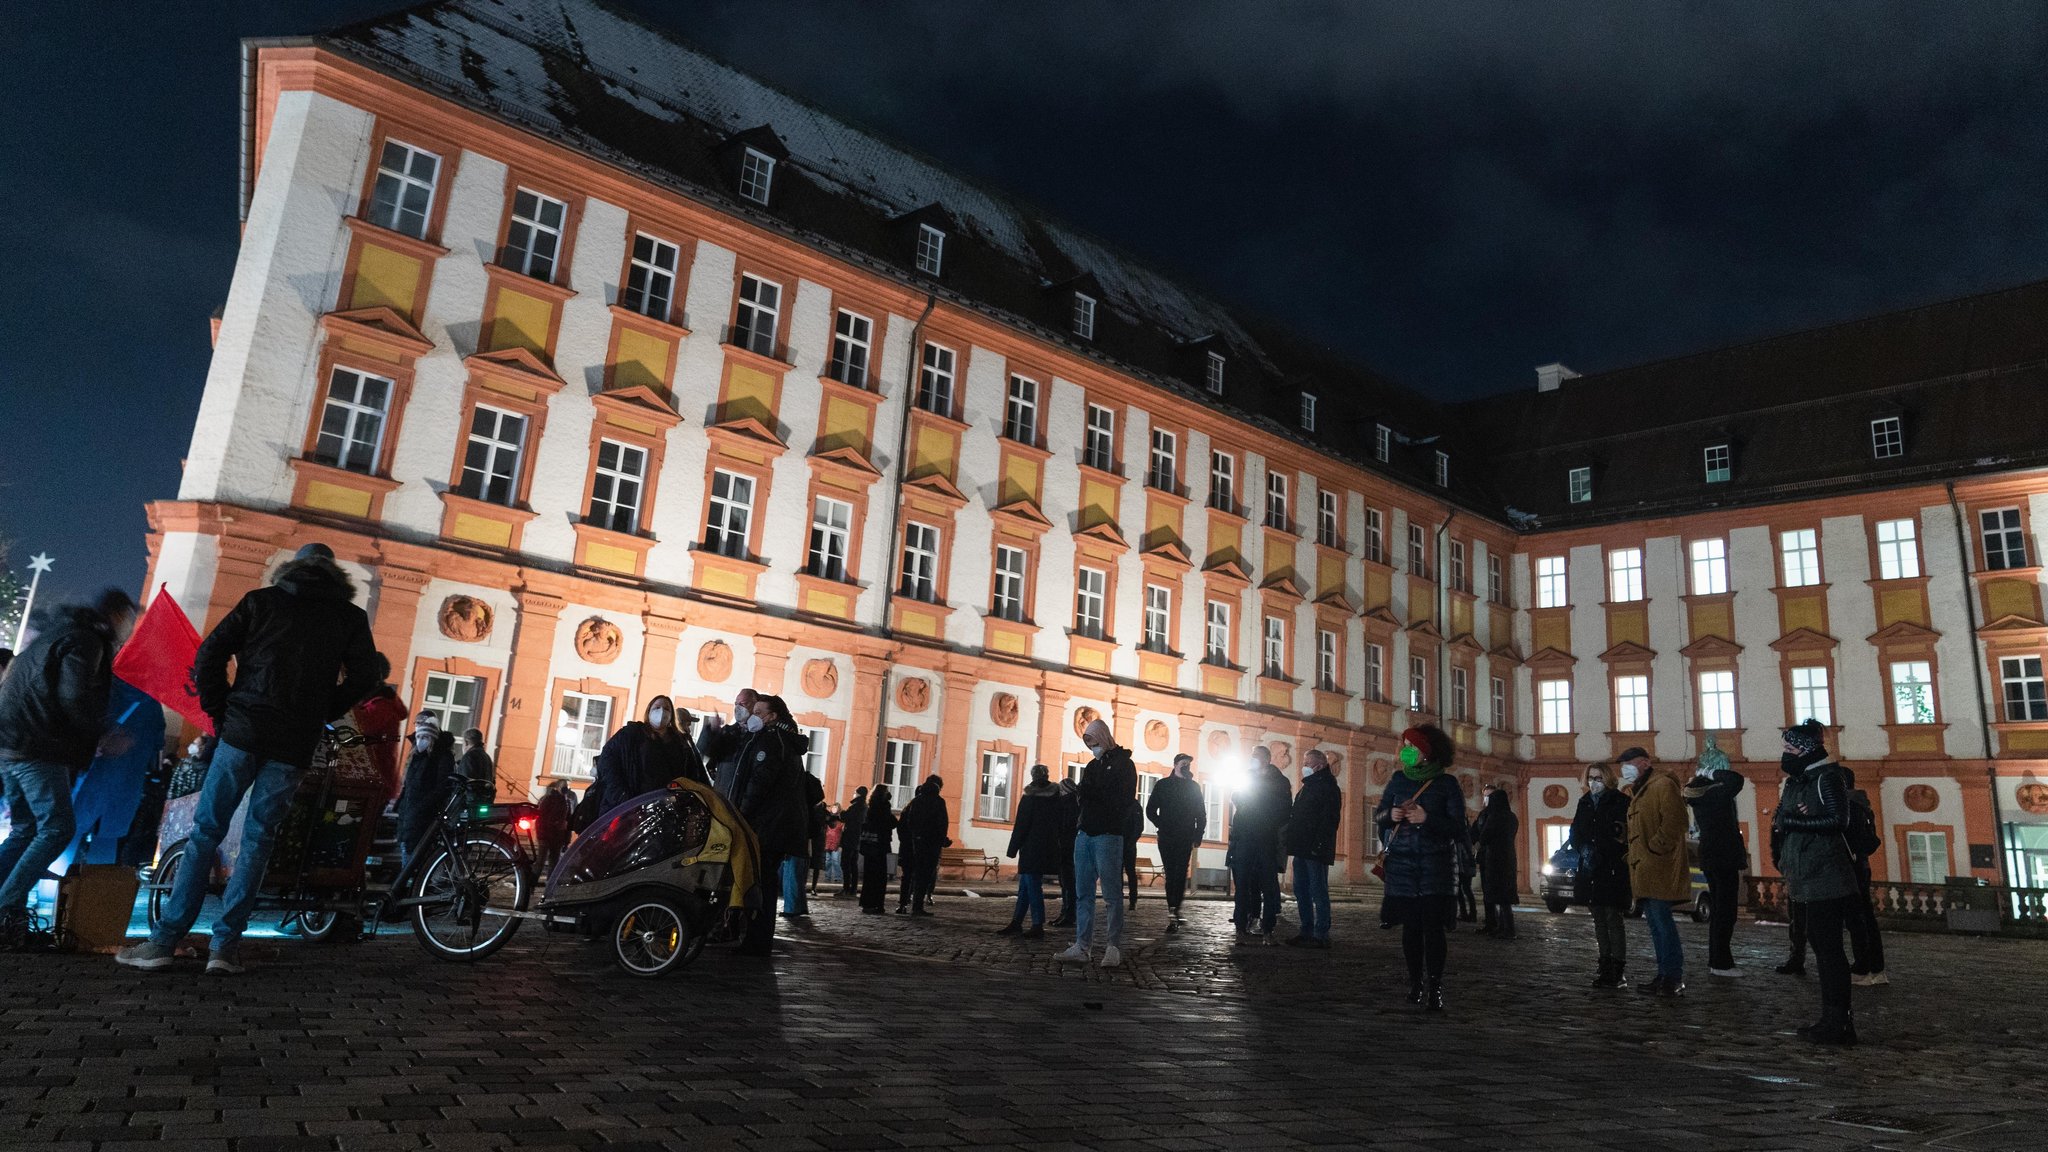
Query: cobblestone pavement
[888, 1033]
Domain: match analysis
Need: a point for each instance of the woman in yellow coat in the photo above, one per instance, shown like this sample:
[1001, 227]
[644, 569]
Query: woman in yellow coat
[1657, 868]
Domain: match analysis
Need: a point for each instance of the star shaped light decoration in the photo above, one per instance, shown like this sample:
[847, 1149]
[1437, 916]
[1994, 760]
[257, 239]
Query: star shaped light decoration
[40, 562]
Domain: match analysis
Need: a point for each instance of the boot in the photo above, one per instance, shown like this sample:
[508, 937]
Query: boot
[1796, 966]
[1415, 990]
[1621, 974]
[1433, 996]
[1011, 929]
[1835, 1027]
[1507, 925]
[1607, 977]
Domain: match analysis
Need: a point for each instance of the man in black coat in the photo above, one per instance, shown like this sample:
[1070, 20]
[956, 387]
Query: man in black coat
[1256, 821]
[1711, 795]
[719, 742]
[1181, 817]
[1069, 819]
[53, 711]
[923, 831]
[1312, 841]
[303, 657]
[850, 822]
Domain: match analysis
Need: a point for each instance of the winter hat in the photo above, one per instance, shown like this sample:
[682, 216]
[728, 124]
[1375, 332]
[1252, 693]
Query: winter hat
[1635, 753]
[314, 551]
[1436, 748]
[1712, 759]
[1805, 737]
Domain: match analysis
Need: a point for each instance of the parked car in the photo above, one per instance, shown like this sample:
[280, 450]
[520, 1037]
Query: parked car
[1559, 887]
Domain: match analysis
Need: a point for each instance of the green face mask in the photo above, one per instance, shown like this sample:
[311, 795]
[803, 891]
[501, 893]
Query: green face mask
[1410, 755]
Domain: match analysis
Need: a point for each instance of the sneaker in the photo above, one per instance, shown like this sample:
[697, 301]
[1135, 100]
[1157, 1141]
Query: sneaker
[225, 961]
[149, 954]
[1112, 958]
[1870, 980]
[1729, 973]
[1077, 954]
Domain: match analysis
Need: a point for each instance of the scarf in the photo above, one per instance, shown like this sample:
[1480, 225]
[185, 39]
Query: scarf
[1422, 772]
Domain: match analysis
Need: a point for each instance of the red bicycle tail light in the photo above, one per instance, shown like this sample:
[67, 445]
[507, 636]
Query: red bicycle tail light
[526, 823]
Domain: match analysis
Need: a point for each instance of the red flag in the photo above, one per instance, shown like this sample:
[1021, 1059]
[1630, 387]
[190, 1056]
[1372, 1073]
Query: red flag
[158, 658]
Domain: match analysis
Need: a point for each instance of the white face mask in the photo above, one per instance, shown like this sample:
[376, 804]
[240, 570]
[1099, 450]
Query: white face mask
[1596, 786]
[1094, 750]
[1629, 772]
[192, 749]
[657, 717]
[754, 724]
[423, 741]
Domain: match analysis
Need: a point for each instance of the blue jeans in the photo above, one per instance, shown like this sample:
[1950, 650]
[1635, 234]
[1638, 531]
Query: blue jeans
[1312, 896]
[1664, 939]
[39, 803]
[234, 773]
[1098, 858]
[794, 902]
[1030, 898]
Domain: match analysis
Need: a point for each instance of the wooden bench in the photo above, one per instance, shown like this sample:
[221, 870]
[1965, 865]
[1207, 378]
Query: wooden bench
[1151, 875]
[967, 861]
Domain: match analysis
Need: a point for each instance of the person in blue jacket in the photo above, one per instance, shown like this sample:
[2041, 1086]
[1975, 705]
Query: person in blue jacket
[1421, 817]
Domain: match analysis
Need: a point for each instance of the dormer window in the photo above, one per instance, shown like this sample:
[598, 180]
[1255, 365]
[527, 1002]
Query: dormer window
[1718, 458]
[1308, 411]
[1887, 438]
[757, 174]
[1216, 373]
[1084, 316]
[1578, 485]
[931, 249]
[1382, 442]
[1443, 470]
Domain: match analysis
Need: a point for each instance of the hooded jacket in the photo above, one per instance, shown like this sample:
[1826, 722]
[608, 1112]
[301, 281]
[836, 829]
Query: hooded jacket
[303, 657]
[1035, 838]
[924, 823]
[877, 824]
[769, 788]
[53, 699]
[1177, 810]
[1109, 789]
[1712, 800]
[851, 820]
[1813, 818]
[1312, 825]
[635, 762]
[1493, 839]
[1657, 868]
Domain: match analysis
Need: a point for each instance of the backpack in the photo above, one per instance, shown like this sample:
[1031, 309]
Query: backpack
[1861, 834]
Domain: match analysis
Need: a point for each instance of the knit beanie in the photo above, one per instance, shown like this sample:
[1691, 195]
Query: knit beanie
[1805, 737]
[1712, 759]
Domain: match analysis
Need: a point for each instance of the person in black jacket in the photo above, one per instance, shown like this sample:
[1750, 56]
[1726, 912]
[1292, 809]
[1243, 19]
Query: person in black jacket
[1134, 830]
[642, 756]
[795, 900]
[303, 656]
[1312, 841]
[1819, 870]
[1711, 795]
[1256, 822]
[1866, 940]
[476, 766]
[719, 741]
[1069, 824]
[878, 824]
[768, 788]
[923, 831]
[1035, 846]
[424, 793]
[551, 828]
[1494, 834]
[1599, 837]
[1180, 815]
[851, 821]
[1421, 815]
[1108, 792]
[53, 712]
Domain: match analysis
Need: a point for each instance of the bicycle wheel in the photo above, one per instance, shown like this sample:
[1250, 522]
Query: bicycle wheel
[466, 897]
[652, 937]
[162, 879]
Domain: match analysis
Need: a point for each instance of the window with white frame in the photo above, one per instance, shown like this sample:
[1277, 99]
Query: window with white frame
[831, 531]
[1624, 575]
[1579, 485]
[1216, 634]
[1084, 316]
[1927, 860]
[1090, 595]
[581, 725]
[1375, 537]
[1098, 440]
[403, 197]
[1496, 588]
[2005, 544]
[1898, 550]
[1550, 582]
[1375, 673]
[1007, 602]
[819, 754]
[931, 250]
[1912, 692]
[534, 238]
[1328, 532]
[2026, 698]
[1164, 473]
[757, 175]
[1418, 551]
[1499, 692]
[1443, 470]
[901, 771]
[1020, 414]
[1454, 560]
[1717, 701]
[352, 421]
[491, 459]
[1810, 697]
[1158, 618]
[997, 771]
[1327, 673]
[920, 562]
[731, 513]
[1709, 567]
[1716, 459]
[1214, 373]
[1308, 411]
[1418, 684]
[1800, 550]
[616, 484]
[758, 316]
[1887, 438]
[1553, 707]
[1461, 694]
[452, 701]
[1223, 481]
[851, 333]
[651, 278]
[1276, 502]
[1276, 647]
[1382, 442]
[1631, 703]
[935, 380]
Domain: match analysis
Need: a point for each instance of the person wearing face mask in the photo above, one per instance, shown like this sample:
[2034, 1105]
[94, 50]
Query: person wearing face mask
[1312, 841]
[642, 756]
[1819, 869]
[1109, 789]
[1257, 816]
[1421, 816]
[770, 792]
[1181, 816]
[425, 792]
[1658, 873]
[1035, 846]
[1600, 837]
[1723, 856]
[718, 745]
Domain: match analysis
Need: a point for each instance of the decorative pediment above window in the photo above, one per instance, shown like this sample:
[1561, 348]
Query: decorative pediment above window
[1551, 660]
[1284, 584]
[746, 430]
[1805, 640]
[1170, 551]
[935, 487]
[1022, 515]
[847, 460]
[1230, 568]
[1708, 647]
[642, 399]
[1627, 652]
[2013, 623]
[1467, 644]
[378, 327]
[519, 367]
[1337, 598]
[1505, 655]
[1381, 614]
[1426, 627]
[1903, 632]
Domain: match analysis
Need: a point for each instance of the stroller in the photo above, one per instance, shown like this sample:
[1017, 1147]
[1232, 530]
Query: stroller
[656, 877]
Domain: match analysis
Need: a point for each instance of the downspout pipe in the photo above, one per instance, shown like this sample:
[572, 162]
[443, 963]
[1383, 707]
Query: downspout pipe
[1443, 623]
[1977, 658]
[898, 467]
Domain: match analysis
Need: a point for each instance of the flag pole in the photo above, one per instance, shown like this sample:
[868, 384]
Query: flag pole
[37, 564]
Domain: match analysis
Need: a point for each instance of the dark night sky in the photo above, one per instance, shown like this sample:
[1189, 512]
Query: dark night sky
[1454, 191]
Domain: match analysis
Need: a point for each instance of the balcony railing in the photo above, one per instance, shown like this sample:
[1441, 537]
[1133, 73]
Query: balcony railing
[1926, 907]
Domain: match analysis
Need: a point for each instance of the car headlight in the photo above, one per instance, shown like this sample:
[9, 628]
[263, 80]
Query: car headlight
[1550, 869]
